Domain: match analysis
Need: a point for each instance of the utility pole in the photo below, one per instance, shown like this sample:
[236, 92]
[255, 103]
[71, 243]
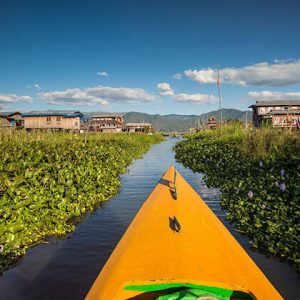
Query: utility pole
[219, 93]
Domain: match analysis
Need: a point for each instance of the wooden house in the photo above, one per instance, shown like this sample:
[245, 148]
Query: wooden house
[11, 120]
[269, 111]
[53, 120]
[285, 118]
[139, 127]
[107, 123]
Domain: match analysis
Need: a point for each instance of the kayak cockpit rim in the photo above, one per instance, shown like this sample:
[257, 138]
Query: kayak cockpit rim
[166, 286]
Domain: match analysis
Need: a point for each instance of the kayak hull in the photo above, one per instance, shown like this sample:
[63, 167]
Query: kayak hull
[176, 238]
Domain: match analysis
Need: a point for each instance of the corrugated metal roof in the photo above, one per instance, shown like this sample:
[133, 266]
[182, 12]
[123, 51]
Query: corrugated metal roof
[54, 113]
[9, 113]
[284, 112]
[276, 103]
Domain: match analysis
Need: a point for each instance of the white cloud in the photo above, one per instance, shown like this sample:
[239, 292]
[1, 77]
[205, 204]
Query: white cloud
[37, 86]
[165, 89]
[196, 98]
[279, 73]
[177, 76]
[71, 97]
[102, 73]
[272, 95]
[12, 98]
[96, 95]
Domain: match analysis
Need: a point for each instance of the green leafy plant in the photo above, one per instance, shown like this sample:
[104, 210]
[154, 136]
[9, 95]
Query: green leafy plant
[48, 180]
[258, 173]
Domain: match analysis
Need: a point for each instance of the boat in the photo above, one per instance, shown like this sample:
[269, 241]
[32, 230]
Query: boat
[176, 248]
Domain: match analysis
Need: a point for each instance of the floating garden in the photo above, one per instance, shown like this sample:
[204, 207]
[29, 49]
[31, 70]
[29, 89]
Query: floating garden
[258, 174]
[48, 180]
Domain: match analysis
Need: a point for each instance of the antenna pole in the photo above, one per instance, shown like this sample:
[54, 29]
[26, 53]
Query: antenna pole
[219, 93]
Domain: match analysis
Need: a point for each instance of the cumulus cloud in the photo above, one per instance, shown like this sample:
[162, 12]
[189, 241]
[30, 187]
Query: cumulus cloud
[165, 89]
[96, 95]
[12, 98]
[102, 73]
[196, 98]
[273, 95]
[279, 73]
[177, 76]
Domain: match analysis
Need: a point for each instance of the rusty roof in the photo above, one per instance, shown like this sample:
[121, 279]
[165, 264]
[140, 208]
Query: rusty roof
[275, 103]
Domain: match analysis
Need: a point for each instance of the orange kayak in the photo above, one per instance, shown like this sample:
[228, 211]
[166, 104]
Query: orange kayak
[176, 248]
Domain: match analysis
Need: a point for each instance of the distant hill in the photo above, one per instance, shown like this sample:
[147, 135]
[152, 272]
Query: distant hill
[174, 122]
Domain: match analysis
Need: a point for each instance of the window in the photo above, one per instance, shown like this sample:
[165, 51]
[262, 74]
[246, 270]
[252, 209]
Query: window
[58, 119]
[262, 110]
[48, 119]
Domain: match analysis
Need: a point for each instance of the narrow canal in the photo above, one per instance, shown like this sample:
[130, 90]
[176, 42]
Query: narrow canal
[66, 268]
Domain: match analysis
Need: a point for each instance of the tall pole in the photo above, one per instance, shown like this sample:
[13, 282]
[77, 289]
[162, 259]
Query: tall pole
[219, 92]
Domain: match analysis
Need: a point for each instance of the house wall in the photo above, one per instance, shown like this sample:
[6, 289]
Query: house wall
[110, 130]
[285, 120]
[4, 122]
[117, 121]
[139, 128]
[53, 122]
[259, 112]
[262, 110]
[113, 119]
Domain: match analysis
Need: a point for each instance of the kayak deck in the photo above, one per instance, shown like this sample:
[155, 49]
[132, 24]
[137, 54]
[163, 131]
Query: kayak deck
[176, 239]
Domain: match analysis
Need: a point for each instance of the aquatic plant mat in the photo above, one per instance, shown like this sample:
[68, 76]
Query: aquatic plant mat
[258, 173]
[48, 180]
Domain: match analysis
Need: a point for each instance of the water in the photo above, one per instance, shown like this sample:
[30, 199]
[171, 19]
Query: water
[66, 269]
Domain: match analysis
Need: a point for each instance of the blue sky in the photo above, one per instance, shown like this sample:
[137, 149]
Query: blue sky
[122, 55]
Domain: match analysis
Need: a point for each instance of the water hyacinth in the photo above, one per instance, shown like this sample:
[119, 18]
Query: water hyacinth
[66, 175]
[255, 167]
[282, 186]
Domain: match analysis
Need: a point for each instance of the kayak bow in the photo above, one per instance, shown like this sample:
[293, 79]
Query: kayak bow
[176, 248]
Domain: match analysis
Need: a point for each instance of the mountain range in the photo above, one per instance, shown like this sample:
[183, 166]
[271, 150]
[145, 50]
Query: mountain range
[175, 122]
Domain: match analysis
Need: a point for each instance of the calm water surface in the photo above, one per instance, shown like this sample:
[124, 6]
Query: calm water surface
[66, 269]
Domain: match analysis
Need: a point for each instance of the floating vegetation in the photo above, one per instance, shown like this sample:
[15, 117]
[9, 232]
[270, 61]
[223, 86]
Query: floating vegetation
[258, 173]
[48, 180]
